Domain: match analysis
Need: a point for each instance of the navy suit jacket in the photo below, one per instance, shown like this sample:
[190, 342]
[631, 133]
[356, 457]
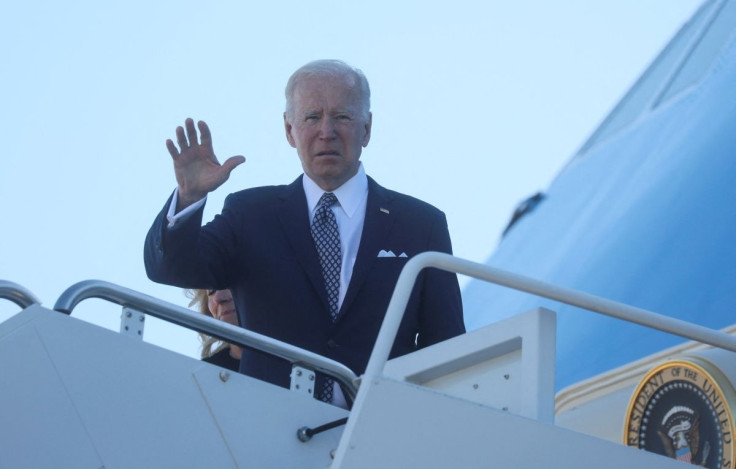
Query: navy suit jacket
[261, 248]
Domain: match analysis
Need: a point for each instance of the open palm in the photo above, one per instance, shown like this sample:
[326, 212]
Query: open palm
[197, 170]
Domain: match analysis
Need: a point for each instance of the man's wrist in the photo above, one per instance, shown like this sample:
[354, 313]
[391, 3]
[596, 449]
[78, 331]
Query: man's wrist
[184, 199]
[174, 215]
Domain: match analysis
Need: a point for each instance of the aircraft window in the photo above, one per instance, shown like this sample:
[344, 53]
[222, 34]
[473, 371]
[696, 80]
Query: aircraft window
[640, 97]
[525, 207]
[701, 59]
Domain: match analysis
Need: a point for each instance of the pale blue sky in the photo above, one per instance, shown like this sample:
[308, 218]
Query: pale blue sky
[476, 105]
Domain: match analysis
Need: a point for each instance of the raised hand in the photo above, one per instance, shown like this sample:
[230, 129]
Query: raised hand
[197, 170]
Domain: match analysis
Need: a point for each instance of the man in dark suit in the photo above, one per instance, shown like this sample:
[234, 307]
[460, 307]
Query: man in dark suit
[312, 263]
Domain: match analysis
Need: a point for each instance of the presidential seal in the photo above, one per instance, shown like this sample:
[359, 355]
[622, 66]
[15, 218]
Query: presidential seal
[682, 409]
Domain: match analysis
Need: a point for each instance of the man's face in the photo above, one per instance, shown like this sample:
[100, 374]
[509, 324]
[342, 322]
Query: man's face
[329, 128]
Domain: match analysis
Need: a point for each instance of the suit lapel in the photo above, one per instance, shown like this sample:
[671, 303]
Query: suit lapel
[295, 222]
[376, 228]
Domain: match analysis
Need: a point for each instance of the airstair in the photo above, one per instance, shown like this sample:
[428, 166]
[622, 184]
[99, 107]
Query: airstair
[73, 394]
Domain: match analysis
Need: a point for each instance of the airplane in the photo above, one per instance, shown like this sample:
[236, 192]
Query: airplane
[641, 213]
[636, 227]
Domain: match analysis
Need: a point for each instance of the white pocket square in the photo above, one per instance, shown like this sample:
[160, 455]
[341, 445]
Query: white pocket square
[383, 253]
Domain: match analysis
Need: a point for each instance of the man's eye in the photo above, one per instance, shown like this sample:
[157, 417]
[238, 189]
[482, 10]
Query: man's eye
[343, 117]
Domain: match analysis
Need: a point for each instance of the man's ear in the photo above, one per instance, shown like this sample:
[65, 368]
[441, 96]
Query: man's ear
[367, 136]
[287, 128]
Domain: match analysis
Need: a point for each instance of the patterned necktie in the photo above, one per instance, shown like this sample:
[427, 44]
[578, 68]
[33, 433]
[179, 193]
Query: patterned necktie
[327, 240]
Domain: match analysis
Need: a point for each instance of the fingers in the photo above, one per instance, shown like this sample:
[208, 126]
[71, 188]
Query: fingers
[232, 162]
[191, 132]
[205, 134]
[187, 137]
[173, 151]
[181, 139]
[227, 167]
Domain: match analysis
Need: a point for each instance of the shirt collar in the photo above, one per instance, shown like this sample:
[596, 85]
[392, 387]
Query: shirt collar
[349, 195]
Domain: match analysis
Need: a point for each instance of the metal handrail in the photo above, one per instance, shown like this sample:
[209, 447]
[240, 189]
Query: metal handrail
[596, 304]
[17, 294]
[181, 316]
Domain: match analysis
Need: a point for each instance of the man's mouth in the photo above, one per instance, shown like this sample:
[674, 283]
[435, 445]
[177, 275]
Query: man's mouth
[328, 153]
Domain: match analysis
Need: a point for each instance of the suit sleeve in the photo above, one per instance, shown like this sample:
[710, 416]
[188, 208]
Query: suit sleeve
[441, 310]
[186, 255]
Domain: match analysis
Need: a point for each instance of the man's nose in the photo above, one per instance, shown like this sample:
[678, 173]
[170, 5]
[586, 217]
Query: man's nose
[327, 129]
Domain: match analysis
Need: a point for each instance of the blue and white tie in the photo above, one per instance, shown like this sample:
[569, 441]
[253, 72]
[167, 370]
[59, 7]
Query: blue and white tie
[327, 240]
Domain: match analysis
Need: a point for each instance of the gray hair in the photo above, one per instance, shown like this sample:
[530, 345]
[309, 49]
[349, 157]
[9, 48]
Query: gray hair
[330, 68]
